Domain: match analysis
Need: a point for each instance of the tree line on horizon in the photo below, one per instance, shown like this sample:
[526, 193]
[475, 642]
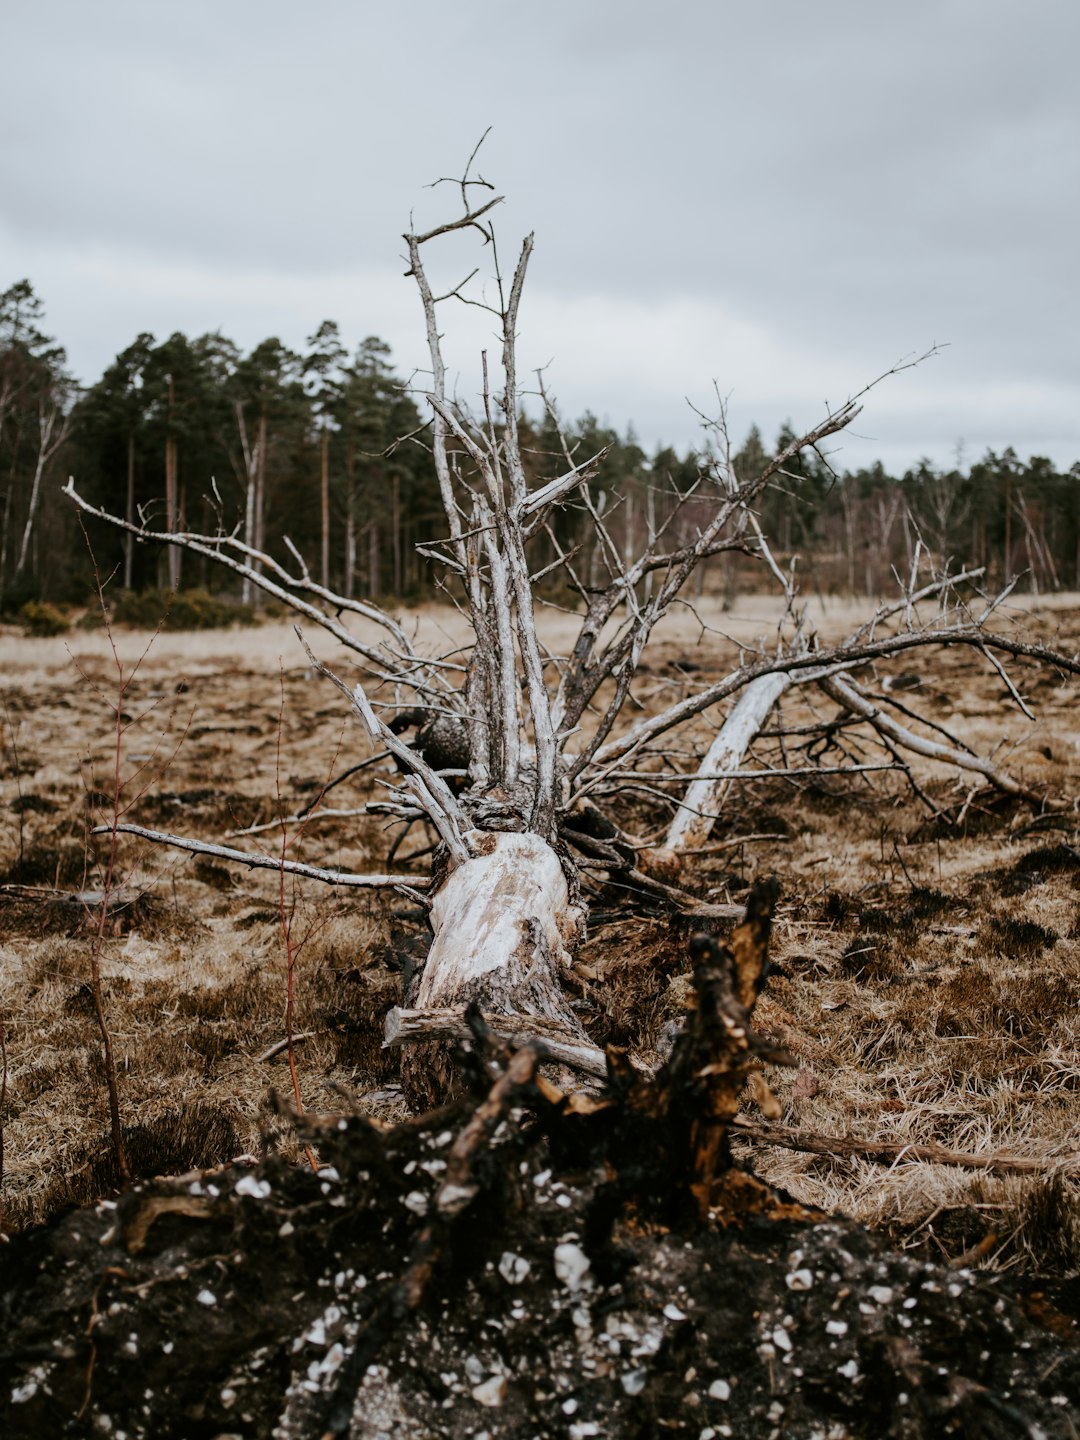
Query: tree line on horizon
[322, 452]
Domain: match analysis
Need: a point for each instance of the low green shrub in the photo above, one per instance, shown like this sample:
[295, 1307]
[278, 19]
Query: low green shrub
[40, 619]
[179, 610]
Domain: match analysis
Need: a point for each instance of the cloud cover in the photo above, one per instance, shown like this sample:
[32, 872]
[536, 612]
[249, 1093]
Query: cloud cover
[784, 198]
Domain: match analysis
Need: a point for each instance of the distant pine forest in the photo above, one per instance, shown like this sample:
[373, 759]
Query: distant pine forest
[322, 455]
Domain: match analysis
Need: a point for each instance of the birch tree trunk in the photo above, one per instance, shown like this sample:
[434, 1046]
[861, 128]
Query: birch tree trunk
[129, 511]
[324, 509]
[52, 432]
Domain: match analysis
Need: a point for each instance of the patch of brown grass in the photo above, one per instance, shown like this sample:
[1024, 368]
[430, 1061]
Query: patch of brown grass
[928, 971]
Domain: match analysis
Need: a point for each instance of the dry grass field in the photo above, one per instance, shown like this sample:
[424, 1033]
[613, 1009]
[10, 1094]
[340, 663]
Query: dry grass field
[928, 968]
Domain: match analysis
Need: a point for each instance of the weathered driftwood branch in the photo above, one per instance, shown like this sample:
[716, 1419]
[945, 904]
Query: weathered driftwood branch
[431, 790]
[891, 1152]
[408, 883]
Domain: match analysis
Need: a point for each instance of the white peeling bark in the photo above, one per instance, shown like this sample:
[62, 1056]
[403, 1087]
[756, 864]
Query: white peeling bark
[694, 821]
[504, 926]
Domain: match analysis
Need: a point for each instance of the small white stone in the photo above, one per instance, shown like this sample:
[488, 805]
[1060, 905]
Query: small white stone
[256, 1189]
[719, 1390]
[633, 1381]
[799, 1280]
[513, 1268]
[883, 1294]
[850, 1371]
[228, 1397]
[491, 1393]
[286, 1228]
[453, 1198]
[333, 1358]
[571, 1265]
[206, 1297]
[569, 1406]
[781, 1339]
[416, 1201]
[672, 1312]
[836, 1327]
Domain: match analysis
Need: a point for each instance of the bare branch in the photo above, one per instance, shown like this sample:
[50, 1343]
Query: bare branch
[845, 692]
[258, 861]
[429, 788]
[896, 1152]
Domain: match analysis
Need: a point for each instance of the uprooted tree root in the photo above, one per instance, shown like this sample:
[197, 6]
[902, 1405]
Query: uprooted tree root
[522, 1263]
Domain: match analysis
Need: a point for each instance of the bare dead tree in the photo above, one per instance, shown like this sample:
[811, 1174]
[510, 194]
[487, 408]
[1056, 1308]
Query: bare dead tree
[541, 752]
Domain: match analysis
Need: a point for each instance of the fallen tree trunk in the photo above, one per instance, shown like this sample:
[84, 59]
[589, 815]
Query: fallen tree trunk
[504, 927]
[537, 730]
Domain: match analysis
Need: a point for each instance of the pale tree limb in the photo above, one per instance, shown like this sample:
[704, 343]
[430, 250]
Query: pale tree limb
[846, 693]
[283, 589]
[537, 503]
[430, 789]
[588, 669]
[815, 665]
[260, 861]
[693, 822]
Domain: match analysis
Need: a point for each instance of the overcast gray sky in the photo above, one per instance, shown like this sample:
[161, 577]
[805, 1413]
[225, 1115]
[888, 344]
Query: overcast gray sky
[781, 196]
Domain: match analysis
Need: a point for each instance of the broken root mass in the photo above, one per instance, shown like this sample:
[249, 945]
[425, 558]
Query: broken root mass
[523, 1263]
